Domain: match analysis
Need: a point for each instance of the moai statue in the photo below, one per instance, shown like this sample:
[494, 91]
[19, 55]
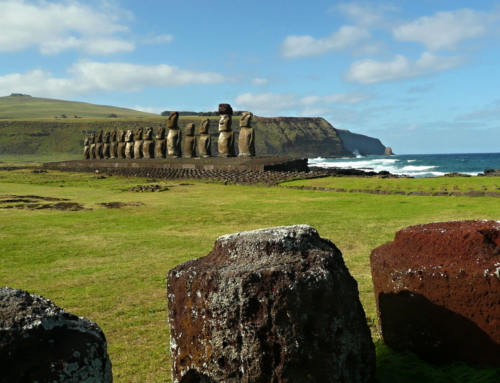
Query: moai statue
[138, 141]
[190, 141]
[129, 144]
[86, 148]
[113, 145]
[246, 141]
[174, 136]
[92, 145]
[226, 135]
[148, 145]
[99, 145]
[205, 141]
[121, 144]
[161, 143]
[105, 145]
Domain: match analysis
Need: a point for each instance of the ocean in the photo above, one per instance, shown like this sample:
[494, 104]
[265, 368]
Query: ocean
[417, 165]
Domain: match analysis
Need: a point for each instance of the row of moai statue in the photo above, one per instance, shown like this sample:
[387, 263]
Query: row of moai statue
[140, 144]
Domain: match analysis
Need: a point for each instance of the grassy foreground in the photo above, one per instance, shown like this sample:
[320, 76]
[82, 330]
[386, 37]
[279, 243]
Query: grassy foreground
[110, 264]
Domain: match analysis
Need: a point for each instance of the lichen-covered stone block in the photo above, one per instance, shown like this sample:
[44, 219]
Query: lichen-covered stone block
[437, 288]
[41, 342]
[270, 305]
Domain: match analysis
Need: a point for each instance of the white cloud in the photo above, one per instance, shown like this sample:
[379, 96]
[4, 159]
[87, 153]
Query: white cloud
[259, 81]
[266, 103]
[159, 39]
[53, 27]
[347, 37]
[445, 30]
[365, 15]
[340, 98]
[372, 71]
[91, 77]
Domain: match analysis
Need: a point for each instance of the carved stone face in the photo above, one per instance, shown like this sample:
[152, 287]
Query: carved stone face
[138, 133]
[190, 129]
[86, 141]
[148, 135]
[205, 125]
[225, 123]
[160, 134]
[246, 119]
[129, 137]
[172, 120]
[121, 136]
[92, 138]
[112, 136]
[106, 137]
[98, 137]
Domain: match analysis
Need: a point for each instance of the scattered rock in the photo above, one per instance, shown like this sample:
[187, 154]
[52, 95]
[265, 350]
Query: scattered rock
[437, 288]
[41, 342]
[118, 205]
[147, 188]
[275, 304]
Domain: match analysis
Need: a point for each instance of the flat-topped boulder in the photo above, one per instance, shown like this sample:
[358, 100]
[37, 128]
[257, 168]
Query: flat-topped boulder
[269, 305]
[41, 342]
[437, 288]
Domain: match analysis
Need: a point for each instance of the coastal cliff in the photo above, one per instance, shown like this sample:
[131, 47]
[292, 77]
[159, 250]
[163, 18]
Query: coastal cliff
[360, 144]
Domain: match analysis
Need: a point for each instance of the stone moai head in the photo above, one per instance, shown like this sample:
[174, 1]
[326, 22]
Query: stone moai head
[98, 137]
[112, 136]
[190, 129]
[92, 138]
[246, 119]
[148, 135]
[138, 133]
[225, 123]
[121, 136]
[129, 137]
[106, 137]
[160, 134]
[86, 141]
[172, 120]
[225, 109]
[205, 125]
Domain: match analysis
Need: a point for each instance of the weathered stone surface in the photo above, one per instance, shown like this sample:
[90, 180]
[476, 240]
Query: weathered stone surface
[105, 147]
[121, 145]
[148, 144]
[225, 109]
[246, 139]
[92, 145]
[99, 145]
[437, 288]
[270, 305]
[129, 144]
[86, 148]
[138, 142]
[40, 342]
[225, 144]
[190, 141]
[174, 136]
[113, 144]
[205, 141]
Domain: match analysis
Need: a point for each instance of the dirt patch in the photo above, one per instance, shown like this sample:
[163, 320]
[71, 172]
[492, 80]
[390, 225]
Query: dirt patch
[118, 205]
[147, 188]
[32, 202]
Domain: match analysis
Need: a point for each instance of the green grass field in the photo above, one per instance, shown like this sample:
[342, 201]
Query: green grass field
[109, 265]
[16, 107]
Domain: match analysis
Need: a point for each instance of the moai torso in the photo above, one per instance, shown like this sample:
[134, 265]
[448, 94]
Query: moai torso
[129, 144]
[86, 148]
[205, 141]
[113, 145]
[92, 145]
[99, 145]
[121, 144]
[161, 143]
[148, 145]
[246, 141]
[174, 136]
[190, 141]
[226, 137]
[138, 141]
[105, 145]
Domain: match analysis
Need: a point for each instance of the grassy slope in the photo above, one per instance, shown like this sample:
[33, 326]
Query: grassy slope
[110, 264]
[16, 107]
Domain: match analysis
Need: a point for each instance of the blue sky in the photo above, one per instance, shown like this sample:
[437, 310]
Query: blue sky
[422, 76]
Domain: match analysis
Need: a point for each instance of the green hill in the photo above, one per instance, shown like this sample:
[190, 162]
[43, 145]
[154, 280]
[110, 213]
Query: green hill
[24, 106]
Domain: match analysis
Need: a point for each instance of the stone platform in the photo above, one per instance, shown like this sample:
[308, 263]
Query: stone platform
[249, 164]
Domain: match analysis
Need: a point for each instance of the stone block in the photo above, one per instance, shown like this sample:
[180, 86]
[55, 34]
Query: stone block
[437, 288]
[270, 305]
